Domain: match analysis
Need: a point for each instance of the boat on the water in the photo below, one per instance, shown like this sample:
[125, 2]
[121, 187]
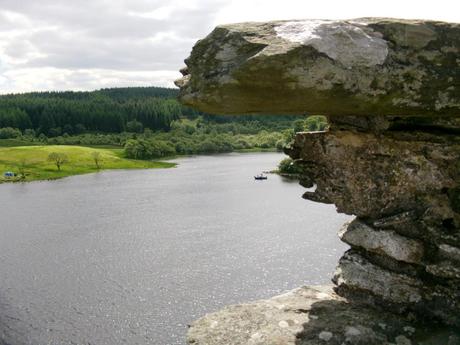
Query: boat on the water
[260, 177]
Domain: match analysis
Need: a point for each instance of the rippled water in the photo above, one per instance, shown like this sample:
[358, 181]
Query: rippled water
[132, 257]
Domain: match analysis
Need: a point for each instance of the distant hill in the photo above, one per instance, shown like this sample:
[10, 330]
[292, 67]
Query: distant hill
[122, 93]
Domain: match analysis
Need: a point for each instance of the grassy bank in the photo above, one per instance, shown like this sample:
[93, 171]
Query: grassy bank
[33, 161]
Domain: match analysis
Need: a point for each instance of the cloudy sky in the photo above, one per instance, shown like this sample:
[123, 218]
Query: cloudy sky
[91, 44]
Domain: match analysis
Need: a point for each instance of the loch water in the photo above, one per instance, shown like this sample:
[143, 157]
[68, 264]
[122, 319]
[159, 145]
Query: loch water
[132, 257]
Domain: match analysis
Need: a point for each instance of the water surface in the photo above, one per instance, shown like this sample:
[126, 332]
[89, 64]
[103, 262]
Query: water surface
[132, 257]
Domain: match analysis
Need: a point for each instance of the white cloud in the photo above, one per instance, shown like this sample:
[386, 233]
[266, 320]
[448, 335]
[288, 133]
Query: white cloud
[89, 44]
[259, 10]
[160, 13]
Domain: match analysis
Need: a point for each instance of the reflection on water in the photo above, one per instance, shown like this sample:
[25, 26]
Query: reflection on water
[132, 257]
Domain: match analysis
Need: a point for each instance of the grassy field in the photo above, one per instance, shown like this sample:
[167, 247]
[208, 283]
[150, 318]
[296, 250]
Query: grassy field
[33, 160]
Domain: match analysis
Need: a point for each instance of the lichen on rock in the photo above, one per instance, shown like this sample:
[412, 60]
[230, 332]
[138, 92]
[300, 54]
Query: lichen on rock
[356, 67]
[349, 43]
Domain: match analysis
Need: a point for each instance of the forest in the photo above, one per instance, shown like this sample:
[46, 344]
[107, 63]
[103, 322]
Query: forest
[107, 110]
[147, 121]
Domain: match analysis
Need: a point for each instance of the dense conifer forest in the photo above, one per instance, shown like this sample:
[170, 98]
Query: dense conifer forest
[107, 110]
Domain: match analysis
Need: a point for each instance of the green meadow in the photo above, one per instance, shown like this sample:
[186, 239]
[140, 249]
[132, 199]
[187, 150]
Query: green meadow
[32, 162]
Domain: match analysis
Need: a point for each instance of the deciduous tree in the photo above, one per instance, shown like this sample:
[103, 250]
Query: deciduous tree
[58, 159]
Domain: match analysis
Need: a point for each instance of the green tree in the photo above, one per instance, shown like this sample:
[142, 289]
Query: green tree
[30, 133]
[9, 133]
[316, 123]
[299, 126]
[23, 165]
[135, 149]
[134, 126]
[280, 145]
[79, 128]
[207, 146]
[97, 158]
[58, 159]
[288, 166]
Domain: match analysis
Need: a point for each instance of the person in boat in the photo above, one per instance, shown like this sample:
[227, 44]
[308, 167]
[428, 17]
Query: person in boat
[260, 177]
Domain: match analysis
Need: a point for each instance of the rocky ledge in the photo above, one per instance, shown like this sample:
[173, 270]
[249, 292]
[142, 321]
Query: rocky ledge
[402, 183]
[391, 157]
[313, 315]
[358, 67]
[307, 315]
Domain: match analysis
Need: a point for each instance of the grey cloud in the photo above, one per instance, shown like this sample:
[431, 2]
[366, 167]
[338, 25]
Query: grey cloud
[5, 22]
[18, 49]
[79, 51]
[101, 34]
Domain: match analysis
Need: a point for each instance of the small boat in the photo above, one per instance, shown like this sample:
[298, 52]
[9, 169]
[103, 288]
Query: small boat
[260, 177]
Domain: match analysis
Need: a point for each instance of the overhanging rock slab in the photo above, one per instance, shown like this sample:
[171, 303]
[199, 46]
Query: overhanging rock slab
[355, 67]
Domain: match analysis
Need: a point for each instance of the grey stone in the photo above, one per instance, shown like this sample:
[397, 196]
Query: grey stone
[382, 242]
[449, 252]
[453, 340]
[352, 332]
[287, 319]
[410, 330]
[325, 335]
[356, 273]
[347, 42]
[444, 269]
[402, 340]
[347, 67]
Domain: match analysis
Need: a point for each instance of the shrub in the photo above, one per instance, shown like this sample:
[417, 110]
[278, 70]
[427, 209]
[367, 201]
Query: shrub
[316, 123]
[29, 133]
[207, 146]
[280, 145]
[146, 149]
[9, 133]
[288, 166]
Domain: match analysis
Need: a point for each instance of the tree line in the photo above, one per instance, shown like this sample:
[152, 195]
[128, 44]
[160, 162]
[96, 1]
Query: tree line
[117, 110]
[107, 110]
[147, 121]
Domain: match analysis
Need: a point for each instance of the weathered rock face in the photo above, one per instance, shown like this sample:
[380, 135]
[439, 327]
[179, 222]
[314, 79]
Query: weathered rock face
[403, 186]
[391, 156]
[356, 67]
